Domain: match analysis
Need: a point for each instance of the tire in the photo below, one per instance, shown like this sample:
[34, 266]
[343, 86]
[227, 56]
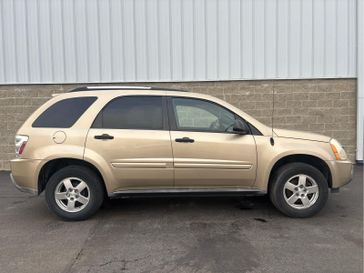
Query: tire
[293, 199]
[78, 202]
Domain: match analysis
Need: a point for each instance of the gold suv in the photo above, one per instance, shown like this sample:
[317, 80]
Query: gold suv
[97, 142]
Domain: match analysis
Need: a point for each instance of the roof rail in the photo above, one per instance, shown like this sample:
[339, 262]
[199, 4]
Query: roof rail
[111, 87]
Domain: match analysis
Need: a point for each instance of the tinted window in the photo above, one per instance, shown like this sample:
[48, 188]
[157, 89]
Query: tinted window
[135, 112]
[200, 115]
[64, 113]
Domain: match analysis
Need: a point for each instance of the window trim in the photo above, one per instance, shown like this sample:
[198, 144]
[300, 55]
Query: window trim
[173, 120]
[165, 122]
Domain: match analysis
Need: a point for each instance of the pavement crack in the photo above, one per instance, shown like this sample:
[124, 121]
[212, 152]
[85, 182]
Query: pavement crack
[124, 263]
[92, 233]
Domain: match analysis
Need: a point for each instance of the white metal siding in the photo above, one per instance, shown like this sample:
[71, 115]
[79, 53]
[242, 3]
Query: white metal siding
[48, 41]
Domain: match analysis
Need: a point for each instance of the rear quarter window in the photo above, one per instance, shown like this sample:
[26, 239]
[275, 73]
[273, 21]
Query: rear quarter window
[64, 113]
[132, 112]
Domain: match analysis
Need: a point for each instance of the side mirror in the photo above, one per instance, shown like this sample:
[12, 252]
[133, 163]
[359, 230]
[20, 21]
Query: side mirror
[241, 127]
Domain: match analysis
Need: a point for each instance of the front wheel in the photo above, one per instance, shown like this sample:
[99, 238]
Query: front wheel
[74, 193]
[298, 190]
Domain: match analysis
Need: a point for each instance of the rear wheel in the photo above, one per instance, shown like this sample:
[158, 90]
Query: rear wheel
[74, 193]
[298, 190]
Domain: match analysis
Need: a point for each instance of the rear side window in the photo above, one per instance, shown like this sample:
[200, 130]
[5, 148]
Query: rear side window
[134, 112]
[64, 113]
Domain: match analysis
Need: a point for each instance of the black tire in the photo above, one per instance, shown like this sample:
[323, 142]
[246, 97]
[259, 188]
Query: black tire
[96, 192]
[282, 175]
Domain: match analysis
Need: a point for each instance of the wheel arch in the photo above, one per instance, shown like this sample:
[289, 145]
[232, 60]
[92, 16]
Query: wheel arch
[312, 160]
[54, 165]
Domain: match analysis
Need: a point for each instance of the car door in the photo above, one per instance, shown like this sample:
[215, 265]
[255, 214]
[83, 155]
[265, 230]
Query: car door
[207, 153]
[130, 135]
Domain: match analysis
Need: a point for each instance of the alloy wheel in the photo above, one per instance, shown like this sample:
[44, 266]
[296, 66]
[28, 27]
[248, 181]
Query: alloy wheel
[72, 194]
[301, 191]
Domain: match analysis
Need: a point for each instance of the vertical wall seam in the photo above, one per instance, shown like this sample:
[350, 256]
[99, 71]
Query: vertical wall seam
[38, 41]
[193, 40]
[75, 40]
[51, 40]
[2, 40]
[264, 39]
[15, 43]
[100, 61]
[217, 41]
[135, 43]
[87, 45]
[289, 39]
[324, 35]
[63, 45]
[170, 39]
[146, 38]
[356, 27]
[253, 38]
[123, 38]
[229, 39]
[313, 38]
[158, 42]
[205, 35]
[111, 63]
[348, 30]
[277, 39]
[300, 39]
[182, 36]
[27, 41]
[241, 31]
[336, 37]
[111, 46]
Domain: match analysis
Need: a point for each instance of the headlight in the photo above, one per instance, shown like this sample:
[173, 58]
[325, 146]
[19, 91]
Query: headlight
[338, 150]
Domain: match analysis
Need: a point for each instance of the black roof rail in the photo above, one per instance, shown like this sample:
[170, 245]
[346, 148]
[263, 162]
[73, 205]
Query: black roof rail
[99, 88]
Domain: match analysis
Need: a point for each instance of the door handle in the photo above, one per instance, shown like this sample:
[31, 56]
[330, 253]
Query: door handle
[185, 140]
[104, 137]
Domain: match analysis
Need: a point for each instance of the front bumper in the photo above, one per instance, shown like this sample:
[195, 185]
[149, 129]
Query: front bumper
[341, 172]
[24, 174]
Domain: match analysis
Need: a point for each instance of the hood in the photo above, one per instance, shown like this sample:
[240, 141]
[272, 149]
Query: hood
[301, 135]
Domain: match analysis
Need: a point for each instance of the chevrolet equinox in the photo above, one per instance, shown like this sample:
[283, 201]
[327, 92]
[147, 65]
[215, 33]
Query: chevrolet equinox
[93, 143]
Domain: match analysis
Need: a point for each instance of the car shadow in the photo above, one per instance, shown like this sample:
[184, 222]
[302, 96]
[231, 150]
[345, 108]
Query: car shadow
[257, 204]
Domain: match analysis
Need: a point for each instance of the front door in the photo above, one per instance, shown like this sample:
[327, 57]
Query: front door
[131, 137]
[207, 153]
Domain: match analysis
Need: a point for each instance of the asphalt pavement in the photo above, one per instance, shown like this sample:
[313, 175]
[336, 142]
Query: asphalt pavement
[198, 235]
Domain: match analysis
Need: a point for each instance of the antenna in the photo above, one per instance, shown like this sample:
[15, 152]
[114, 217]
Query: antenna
[271, 138]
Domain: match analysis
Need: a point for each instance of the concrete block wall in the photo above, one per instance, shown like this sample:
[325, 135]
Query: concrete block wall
[322, 106]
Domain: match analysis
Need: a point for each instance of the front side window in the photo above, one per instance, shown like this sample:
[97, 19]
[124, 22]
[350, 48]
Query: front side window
[134, 112]
[64, 113]
[201, 115]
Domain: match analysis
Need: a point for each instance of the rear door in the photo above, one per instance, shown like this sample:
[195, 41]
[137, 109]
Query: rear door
[207, 153]
[131, 136]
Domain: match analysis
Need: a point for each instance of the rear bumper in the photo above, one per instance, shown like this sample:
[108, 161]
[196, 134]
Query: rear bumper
[23, 189]
[341, 172]
[24, 174]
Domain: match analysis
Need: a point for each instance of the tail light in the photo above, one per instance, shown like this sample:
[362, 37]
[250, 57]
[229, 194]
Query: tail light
[20, 143]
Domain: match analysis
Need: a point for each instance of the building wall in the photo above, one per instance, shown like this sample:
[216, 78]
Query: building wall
[75, 41]
[322, 106]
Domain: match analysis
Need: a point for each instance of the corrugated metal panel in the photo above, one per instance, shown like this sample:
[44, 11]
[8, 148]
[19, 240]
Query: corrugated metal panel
[48, 41]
